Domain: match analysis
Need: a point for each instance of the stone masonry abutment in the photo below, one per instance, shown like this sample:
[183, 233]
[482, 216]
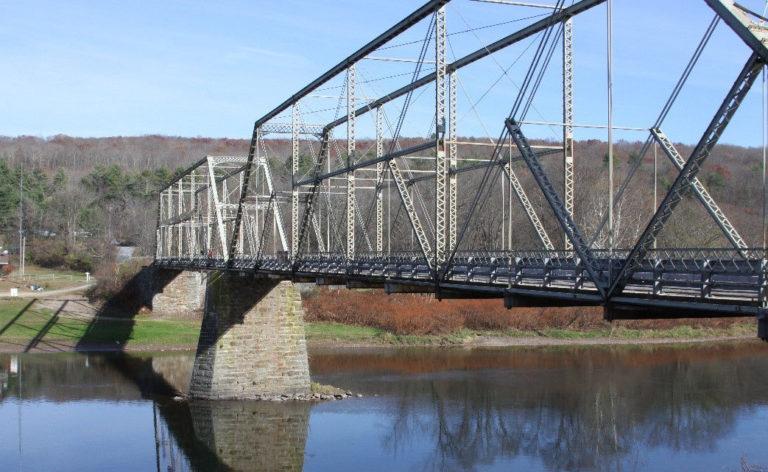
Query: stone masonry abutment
[252, 342]
[177, 292]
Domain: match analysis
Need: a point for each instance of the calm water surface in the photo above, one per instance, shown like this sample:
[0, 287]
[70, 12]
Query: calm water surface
[662, 408]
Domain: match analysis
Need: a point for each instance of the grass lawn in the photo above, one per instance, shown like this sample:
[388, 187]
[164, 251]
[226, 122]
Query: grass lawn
[22, 323]
[329, 332]
[51, 279]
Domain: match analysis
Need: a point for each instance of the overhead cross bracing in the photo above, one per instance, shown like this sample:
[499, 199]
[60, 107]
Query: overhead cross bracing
[374, 173]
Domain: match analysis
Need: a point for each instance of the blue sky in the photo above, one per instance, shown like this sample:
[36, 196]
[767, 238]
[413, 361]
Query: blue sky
[201, 68]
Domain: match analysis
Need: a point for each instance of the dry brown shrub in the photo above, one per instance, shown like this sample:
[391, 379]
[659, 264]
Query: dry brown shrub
[423, 314]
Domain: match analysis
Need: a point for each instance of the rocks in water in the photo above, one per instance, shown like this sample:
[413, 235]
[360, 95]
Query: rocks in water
[314, 396]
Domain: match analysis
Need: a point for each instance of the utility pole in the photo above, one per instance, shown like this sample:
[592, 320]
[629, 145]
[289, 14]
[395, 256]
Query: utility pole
[22, 238]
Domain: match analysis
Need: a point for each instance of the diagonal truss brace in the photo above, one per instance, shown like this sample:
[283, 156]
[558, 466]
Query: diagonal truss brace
[318, 234]
[405, 197]
[322, 155]
[701, 192]
[684, 179]
[277, 213]
[219, 217]
[528, 207]
[565, 220]
[738, 19]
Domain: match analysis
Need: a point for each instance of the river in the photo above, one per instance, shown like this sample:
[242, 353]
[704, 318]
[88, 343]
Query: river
[696, 407]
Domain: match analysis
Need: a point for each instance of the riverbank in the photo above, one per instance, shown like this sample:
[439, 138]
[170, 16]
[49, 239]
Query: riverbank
[71, 324]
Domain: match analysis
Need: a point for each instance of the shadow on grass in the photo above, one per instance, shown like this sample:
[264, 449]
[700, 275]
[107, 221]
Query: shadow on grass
[114, 322]
[46, 328]
[16, 317]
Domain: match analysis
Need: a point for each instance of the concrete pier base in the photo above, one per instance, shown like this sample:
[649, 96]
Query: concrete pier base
[177, 292]
[252, 341]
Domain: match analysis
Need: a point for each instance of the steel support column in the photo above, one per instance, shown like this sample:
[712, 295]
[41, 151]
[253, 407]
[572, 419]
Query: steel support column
[294, 189]
[350, 161]
[453, 156]
[379, 178]
[568, 183]
[441, 163]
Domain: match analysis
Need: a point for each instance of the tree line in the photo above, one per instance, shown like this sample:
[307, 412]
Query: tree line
[83, 195]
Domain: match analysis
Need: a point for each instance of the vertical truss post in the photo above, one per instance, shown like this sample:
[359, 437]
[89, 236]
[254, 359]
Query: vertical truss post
[208, 217]
[180, 230]
[453, 156]
[239, 249]
[441, 163]
[568, 180]
[684, 179]
[169, 228]
[351, 117]
[294, 189]
[193, 227]
[159, 228]
[379, 177]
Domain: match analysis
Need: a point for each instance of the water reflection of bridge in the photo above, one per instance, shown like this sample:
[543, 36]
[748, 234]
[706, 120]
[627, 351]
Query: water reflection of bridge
[572, 409]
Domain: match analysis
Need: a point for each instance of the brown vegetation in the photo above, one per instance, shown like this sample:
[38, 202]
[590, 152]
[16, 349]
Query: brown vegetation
[118, 283]
[422, 314]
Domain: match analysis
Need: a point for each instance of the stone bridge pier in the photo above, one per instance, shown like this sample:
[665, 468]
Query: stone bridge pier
[252, 341]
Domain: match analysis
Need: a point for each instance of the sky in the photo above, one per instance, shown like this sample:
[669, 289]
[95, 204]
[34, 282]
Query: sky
[202, 68]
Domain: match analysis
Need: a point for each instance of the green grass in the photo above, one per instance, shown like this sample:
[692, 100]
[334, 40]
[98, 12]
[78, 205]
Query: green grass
[21, 326]
[329, 332]
[51, 279]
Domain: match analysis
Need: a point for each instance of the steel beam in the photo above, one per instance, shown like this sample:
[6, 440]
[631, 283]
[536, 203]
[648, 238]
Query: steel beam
[217, 210]
[558, 208]
[701, 193]
[530, 212]
[309, 207]
[441, 161]
[294, 170]
[350, 161]
[568, 184]
[362, 164]
[753, 34]
[278, 215]
[410, 210]
[379, 178]
[528, 31]
[410, 20]
[453, 156]
[684, 179]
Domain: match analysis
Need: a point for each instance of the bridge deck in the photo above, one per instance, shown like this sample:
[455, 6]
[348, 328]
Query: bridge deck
[714, 285]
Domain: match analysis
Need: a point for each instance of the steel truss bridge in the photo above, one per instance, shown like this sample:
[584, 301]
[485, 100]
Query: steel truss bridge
[372, 208]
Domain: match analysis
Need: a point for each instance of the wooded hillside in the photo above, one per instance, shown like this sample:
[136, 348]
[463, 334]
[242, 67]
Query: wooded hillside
[81, 194]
